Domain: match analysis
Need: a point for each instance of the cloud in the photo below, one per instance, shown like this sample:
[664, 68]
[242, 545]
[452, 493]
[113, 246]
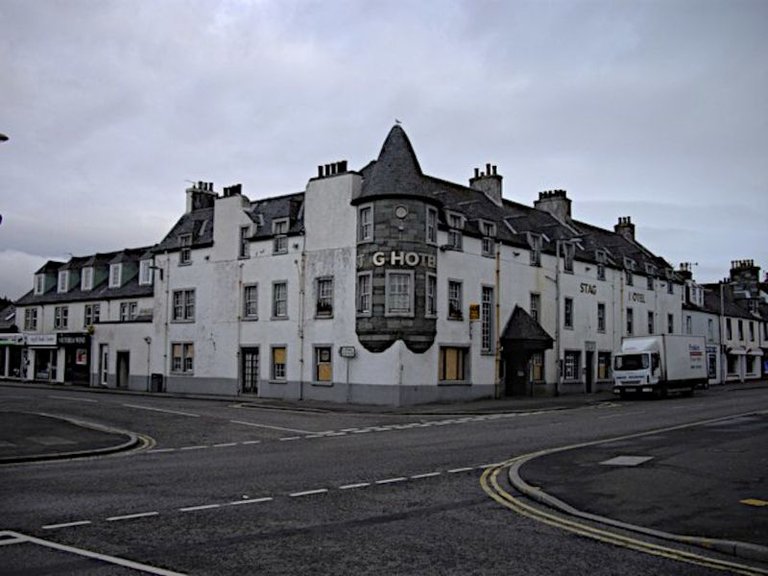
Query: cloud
[113, 106]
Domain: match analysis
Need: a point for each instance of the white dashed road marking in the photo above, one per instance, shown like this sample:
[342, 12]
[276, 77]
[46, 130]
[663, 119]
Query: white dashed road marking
[354, 486]
[249, 501]
[202, 507]
[308, 493]
[66, 525]
[132, 516]
[75, 399]
[392, 480]
[427, 475]
[152, 409]
[281, 428]
[457, 470]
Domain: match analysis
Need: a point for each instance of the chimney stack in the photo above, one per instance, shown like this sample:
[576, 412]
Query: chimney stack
[334, 169]
[625, 228]
[200, 195]
[556, 203]
[489, 183]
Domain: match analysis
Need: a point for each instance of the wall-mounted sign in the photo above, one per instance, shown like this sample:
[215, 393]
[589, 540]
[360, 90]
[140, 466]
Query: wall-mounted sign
[588, 288]
[636, 297]
[12, 339]
[41, 340]
[474, 312]
[401, 258]
[347, 351]
[78, 339]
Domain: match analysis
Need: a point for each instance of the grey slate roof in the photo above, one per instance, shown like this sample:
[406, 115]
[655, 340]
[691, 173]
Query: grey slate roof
[8, 319]
[264, 212]
[198, 223]
[101, 291]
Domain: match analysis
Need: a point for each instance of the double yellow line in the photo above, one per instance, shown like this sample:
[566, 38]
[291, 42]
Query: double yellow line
[490, 484]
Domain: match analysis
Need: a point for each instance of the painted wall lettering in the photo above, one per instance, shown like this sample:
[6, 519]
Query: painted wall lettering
[588, 288]
[400, 258]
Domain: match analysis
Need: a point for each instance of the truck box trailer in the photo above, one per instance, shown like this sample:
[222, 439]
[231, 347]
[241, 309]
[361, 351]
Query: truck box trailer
[660, 364]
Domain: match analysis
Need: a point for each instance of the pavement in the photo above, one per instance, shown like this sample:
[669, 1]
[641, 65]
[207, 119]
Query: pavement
[35, 437]
[705, 484]
[707, 481]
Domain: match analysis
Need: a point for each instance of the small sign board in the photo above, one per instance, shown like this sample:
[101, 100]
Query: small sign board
[347, 351]
[474, 312]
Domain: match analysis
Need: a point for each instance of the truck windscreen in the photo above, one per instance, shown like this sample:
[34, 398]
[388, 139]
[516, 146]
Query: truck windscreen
[630, 362]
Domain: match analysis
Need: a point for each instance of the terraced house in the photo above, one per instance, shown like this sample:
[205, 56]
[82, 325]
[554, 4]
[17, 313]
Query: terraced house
[379, 285]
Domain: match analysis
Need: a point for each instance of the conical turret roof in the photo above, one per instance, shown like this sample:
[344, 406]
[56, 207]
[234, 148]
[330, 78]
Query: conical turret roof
[396, 172]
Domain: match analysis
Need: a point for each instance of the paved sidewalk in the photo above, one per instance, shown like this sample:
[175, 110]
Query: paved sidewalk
[707, 481]
[26, 437]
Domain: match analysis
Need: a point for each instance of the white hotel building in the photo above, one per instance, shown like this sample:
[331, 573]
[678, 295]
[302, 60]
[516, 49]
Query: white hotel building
[381, 285]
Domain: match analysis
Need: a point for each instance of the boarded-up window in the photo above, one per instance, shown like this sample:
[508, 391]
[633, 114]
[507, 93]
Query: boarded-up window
[452, 364]
[323, 364]
[278, 362]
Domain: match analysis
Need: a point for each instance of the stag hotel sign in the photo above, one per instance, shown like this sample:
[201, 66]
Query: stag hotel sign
[400, 258]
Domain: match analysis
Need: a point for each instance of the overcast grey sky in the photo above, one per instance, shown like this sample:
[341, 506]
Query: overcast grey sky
[654, 110]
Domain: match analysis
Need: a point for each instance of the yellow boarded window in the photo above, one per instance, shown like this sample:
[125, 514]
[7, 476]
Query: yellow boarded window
[452, 363]
[323, 365]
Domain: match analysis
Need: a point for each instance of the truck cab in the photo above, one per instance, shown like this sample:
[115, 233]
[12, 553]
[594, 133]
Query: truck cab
[636, 372]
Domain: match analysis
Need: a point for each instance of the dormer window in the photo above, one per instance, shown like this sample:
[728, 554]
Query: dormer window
[145, 272]
[455, 224]
[629, 267]
[650, 269]
[115, 275]
[39, 283]
[601, 258]
[86, 279]
[535, 241]
[569, 252]
[63, 283]
[488, 230]
[280, 242]
[185, 255]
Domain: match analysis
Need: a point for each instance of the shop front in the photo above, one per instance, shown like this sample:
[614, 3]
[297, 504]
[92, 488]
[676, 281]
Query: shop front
[12, 355]
[43, 354]
[77, 358]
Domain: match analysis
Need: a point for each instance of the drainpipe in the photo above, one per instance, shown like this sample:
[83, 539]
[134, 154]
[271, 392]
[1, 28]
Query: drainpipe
[558, 349]
[239, 316]
[166, 327]
[302, 298]
[497, 366]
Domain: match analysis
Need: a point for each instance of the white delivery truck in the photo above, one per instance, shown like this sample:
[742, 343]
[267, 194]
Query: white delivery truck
[660, 364]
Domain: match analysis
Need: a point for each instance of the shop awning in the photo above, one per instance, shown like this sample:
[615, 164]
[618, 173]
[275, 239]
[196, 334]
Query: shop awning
[755, 352]
[522, 332]
[737, 350]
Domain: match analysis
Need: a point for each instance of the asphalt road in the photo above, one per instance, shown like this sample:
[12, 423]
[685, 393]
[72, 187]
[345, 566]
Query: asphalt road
[230, 489]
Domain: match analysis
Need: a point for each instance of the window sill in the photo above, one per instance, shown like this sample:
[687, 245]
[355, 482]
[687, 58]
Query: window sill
[455, 318]
[279, 318]
[323, 316]
[453, 383]
[249, 318]
[322, 384]
[282, 382]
